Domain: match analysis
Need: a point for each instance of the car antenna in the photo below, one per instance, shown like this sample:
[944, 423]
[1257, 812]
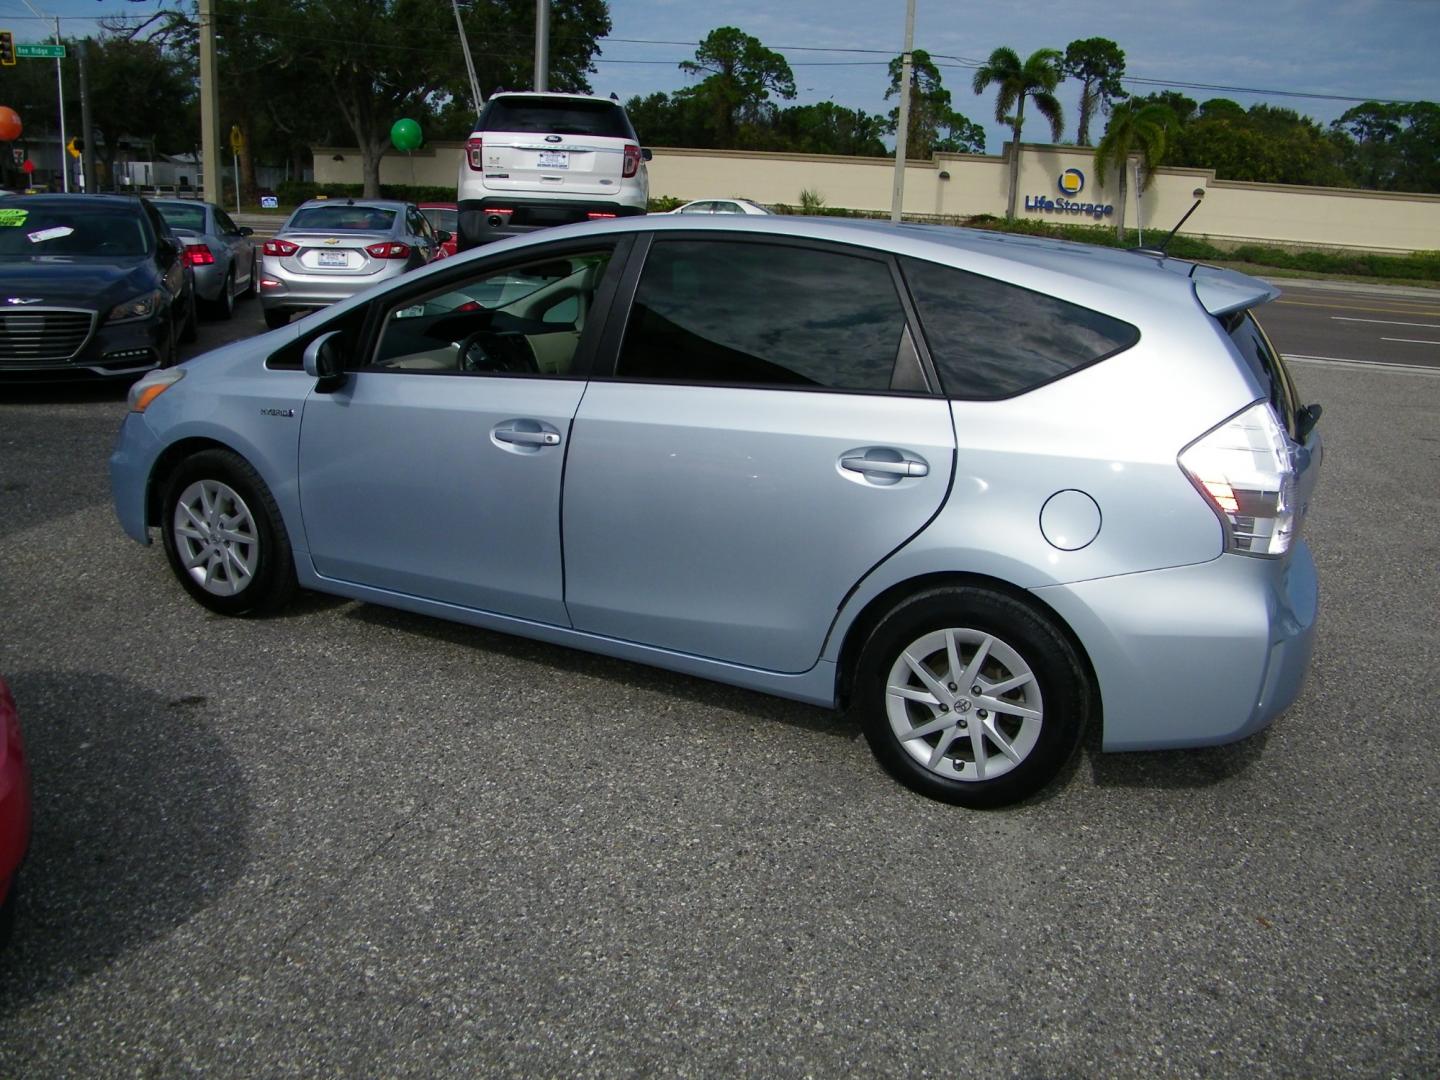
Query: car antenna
[1199, 196]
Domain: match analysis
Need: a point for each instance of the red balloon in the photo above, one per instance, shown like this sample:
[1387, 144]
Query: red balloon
[9, 124]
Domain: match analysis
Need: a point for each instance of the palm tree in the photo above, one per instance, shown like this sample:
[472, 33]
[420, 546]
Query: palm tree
[1134, 128]
[1035, 79]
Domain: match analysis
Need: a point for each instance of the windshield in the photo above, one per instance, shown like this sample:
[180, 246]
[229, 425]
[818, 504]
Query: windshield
[59, 229]
[332, 218]
[183, 217]
[441, 218]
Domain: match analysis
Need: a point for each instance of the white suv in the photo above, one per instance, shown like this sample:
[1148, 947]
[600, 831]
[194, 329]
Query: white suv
[536, 160]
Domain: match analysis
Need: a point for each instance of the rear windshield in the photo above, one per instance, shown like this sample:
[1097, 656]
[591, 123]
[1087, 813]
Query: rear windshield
[1265, 363]
[67, 229]
[183, 217]
[555, 116]
[333, 218]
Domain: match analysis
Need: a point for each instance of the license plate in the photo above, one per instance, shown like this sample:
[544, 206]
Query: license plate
[333, 258]
[554, 159]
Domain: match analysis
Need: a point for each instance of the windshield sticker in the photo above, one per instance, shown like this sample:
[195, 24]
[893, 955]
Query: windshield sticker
[50, 234]
[13, 217]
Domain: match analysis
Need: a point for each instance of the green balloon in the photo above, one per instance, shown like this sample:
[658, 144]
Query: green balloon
[405, 134]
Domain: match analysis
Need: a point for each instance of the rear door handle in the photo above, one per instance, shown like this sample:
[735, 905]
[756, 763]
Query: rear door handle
[889, 468]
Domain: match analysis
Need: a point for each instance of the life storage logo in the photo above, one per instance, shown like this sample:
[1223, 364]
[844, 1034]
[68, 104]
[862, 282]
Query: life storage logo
[1071, 182]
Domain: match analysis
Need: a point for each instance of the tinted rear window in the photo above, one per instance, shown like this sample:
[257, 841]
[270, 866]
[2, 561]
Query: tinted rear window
[331, 218]
[183, 217]
[991, 340]
[1265, 363]
[555, 116]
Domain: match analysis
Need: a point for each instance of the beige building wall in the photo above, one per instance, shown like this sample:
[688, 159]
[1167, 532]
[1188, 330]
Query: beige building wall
[962, 185]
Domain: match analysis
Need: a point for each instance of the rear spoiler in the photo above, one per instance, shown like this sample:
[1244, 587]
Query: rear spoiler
[1222, 292]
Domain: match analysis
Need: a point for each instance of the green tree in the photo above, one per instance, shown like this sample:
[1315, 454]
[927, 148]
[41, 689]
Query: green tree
[828, 128]
[1263, 144]
[1035, 79]
[1099, 64]
[740, 75]
[933, 125]
[140, 93]
[1392, 146]
[1134, 129]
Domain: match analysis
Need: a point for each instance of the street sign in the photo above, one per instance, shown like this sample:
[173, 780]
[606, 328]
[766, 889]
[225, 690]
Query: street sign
[28, 167]
[50, 52]
[237, 139]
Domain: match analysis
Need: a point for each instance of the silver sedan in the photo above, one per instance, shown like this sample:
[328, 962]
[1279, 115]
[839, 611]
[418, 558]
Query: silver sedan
[220, 251]
[330, 249]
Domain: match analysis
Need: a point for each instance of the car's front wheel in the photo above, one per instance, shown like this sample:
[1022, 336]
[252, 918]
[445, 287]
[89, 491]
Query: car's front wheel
[224, 536]
[970, 696]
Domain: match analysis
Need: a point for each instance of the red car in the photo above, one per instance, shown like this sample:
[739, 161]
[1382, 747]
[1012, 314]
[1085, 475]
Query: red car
[14, 807]
[443, 217]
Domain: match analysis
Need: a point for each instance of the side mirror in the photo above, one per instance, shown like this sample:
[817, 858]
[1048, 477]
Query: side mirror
[246, 230]
[1305, 421]
[166, 252]
[325, 363]
[646, 154]
[443, 237]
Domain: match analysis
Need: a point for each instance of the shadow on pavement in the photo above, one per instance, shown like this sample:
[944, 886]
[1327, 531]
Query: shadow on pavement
[140, 823]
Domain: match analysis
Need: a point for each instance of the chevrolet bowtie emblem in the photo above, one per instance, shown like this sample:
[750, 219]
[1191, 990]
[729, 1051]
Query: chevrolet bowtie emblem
[24, 300]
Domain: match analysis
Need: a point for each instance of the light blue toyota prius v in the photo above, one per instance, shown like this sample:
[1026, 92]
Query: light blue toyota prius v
[983, 490]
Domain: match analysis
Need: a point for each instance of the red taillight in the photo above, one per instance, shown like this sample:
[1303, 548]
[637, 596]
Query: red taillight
[198, 255]
[389, 250]
[280, 247]
[499, 210]
[595, 215]
[632, 159]
[469, 305]
[473, 146]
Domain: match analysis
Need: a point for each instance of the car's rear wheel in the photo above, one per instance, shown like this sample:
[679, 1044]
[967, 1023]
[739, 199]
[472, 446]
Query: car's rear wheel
[276, 318]
[224, 536]
[970, 696]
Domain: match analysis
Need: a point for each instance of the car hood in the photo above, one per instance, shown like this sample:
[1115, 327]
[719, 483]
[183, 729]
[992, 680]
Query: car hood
[95, 284]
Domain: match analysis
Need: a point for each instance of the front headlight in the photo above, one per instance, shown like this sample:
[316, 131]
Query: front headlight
[138, 307]
[151, 386]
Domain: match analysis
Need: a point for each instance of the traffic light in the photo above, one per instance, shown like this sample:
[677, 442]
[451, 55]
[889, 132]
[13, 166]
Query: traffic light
[7, 48]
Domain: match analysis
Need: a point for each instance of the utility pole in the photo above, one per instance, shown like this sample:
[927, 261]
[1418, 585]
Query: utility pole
[902, 130]
[209, 107]
[60, 92]
[87, 133]
[475, 96]
[542, 46]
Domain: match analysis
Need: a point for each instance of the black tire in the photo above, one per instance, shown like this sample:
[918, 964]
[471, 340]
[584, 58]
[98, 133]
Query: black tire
[190, 328]
[256, 575]
[7, 914]
[223, 306]
[276, 318]
[1056, 695]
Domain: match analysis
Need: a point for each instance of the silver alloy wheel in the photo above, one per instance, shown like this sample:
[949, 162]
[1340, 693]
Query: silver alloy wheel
[216, 537]
[964, 704]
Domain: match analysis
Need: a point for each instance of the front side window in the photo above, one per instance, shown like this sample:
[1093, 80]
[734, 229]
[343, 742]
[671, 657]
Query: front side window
[715, 311]
[526, 319]
[990, 339]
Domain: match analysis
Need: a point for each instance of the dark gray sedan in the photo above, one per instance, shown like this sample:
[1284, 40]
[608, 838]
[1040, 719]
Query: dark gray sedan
[220, 251]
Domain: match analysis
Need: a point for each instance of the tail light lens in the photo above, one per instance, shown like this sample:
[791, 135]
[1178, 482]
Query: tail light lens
[198, 255]
[473, 148]
[389, 250]
[1245, 468]
[632, 159]
[280, 247]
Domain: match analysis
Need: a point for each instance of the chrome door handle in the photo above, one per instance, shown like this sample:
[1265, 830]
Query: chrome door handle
[889, 468]
[528, 438]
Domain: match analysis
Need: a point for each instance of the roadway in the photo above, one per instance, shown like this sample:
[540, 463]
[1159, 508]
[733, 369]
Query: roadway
[1356, 323]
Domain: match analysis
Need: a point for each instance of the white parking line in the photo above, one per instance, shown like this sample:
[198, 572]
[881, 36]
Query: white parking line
[1367, 365]
[1387, 322]
[1410, 340]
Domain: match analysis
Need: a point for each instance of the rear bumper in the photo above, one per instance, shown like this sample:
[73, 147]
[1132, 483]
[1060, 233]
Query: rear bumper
[482, 221]
[1195, 655]
[287, 290]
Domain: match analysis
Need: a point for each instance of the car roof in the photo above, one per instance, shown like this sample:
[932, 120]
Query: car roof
[1127, 284]
[61, 198]
[438, 206]
[557, 95]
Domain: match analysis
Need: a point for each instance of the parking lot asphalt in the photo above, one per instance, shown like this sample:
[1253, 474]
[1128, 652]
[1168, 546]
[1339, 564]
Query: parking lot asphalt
[349, 840]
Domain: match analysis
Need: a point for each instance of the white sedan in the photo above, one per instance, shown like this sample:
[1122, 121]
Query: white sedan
[720, 206]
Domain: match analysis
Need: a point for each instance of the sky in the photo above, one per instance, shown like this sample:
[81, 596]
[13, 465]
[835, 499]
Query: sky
[838, 49]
